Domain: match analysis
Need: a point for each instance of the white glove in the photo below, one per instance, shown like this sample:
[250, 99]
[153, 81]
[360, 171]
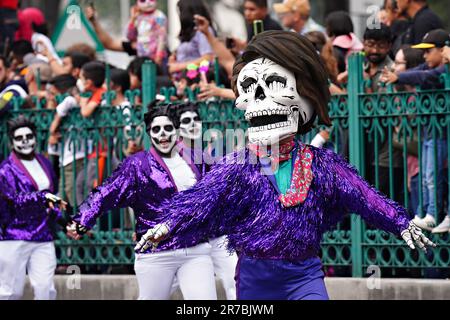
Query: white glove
[413, 234]
[53, 200]
[151, 237]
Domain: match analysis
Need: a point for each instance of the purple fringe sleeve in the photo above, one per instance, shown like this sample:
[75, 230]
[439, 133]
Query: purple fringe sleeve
[207, 208]
[118, 191]
[355, 195]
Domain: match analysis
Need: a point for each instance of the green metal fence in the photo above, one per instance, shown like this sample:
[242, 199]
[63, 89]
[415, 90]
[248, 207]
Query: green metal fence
[361, 123]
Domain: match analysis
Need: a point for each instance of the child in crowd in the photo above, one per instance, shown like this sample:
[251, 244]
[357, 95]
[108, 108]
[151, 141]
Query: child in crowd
[148, 26]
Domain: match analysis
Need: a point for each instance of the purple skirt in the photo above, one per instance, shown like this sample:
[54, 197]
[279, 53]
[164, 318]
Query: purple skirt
[265, 279]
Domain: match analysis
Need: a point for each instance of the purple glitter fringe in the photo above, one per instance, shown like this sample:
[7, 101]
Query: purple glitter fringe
[237, 200]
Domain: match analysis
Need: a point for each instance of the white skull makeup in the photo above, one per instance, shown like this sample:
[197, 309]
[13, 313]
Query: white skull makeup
[24, 141]
[163, 134]
[147, 5]
[190, 125]
[268, 94]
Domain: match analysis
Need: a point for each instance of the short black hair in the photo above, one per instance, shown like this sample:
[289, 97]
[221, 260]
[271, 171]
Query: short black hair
[63, 82]
[338, 23]
[383, 33]
[5, 61]
[161, 110]
[259, 3]
[121, 78]
[135, 67]
[21, 47]
[94, 71]
[185, 107]
[78, 59]
[20, 122]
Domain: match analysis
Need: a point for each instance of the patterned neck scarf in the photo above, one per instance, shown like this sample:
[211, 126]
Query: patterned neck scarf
[302, 177]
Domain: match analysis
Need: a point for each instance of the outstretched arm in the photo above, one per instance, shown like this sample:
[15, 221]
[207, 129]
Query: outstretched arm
[206, 209]
[118, 191]
[354, 194]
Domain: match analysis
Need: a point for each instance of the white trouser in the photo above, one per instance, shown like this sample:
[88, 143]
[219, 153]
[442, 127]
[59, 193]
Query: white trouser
[224, 265]
[17, 258]
[193, 267]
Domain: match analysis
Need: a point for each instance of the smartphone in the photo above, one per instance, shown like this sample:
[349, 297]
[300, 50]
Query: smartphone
[258, 27]
[230, 43]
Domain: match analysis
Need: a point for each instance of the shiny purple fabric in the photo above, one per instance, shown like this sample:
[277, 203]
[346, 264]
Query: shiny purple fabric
[23, 209]
[236, 199]
[141, 182]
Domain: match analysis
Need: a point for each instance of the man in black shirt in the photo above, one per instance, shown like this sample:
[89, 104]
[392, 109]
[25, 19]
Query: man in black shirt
[257, 10]
[423, 20]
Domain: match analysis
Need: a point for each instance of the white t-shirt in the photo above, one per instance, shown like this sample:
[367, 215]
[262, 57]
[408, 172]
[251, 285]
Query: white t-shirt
[69, 149]
[182, 174]
[36, 171]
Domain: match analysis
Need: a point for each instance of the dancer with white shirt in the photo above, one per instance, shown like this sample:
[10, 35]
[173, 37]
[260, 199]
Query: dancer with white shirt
[143, 181]
[28, 207]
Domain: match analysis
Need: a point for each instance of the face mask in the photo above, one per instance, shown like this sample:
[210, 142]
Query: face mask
[147, 5]
[80, 85]
[268, 95]
[163, 134]
[24, 141]
[190, 125]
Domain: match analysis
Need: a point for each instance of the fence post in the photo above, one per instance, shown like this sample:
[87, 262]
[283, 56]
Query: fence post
[148, 91]
[355, 87]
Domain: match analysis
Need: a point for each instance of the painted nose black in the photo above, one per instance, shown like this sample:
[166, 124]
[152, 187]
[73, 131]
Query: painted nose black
[259, 93]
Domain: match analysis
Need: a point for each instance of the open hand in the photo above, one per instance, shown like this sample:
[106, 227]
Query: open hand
[413, 235]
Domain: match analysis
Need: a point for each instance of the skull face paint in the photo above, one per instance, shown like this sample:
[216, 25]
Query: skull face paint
[163, 134]
[24, 141]
[268, 95]
[190, 125]
[147, 5]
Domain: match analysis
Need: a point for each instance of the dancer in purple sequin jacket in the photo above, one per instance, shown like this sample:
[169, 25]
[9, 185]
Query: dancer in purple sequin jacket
[28, 212]
[277, 198]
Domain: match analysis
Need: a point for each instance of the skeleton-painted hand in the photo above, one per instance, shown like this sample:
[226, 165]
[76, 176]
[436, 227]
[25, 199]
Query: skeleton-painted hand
[76, 230]
[53, 200]
[413, 235]
[152, 237]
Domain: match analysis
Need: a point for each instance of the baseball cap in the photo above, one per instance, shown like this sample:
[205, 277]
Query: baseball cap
[434, 39]
[301, 6]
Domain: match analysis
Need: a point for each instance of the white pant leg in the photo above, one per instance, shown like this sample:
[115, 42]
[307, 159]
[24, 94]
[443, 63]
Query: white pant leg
[196, 274]
[41, 270]
[224, 265]
[13, 263]
[155, 273]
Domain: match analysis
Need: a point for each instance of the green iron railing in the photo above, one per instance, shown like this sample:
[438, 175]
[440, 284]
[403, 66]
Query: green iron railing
[356, 118]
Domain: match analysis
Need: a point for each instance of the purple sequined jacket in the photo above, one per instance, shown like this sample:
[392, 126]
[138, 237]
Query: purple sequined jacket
[23, 209]
[142, 182]
[236, 199]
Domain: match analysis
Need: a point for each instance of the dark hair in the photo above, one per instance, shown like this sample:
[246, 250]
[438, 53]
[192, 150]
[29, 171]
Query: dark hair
[135, 67]
[338, 23]
[94, 71]
[413, 57]
[121, 78]
[78, 59]
[20, 122]
[163, 110]
[40, 28]
[189, 8]
[258, 3]
[5, 61]
[185, 107]
[63, 82]
[383, 33]
[295, 53]
[21, 47]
